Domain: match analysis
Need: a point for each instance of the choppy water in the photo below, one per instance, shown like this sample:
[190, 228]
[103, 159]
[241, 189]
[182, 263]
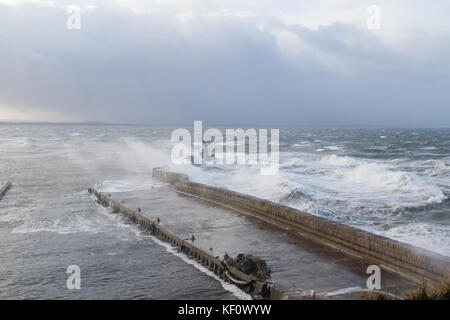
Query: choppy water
[393, 182]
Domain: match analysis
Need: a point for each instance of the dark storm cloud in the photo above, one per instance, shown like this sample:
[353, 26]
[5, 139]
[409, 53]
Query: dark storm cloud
[150, 68]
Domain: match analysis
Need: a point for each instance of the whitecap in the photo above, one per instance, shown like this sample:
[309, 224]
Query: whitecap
[402, 188]
[292, 163]
[334, 148]
[238, 293]
[126, 185]
[339, 161]
[424, 235]
[439, 169]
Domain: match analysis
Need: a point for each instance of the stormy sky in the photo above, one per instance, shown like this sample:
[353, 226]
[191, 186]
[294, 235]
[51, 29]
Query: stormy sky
[262, 63]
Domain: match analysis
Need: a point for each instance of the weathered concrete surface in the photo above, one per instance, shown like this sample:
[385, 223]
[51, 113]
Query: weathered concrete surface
[298, 264]
[409, 261]
[5, 189]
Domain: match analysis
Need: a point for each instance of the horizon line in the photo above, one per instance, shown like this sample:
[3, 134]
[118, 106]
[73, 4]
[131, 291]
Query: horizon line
[105, 123]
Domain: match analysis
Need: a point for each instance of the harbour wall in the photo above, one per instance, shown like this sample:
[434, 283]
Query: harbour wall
[250, 284]
[411, 262]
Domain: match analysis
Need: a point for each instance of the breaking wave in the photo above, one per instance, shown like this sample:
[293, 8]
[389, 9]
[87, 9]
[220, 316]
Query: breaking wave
[238, 293]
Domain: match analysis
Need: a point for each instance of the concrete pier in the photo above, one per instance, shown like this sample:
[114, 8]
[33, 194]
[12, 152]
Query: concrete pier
[5, 189]
[252, 285]
[412, 263]
[298, 264]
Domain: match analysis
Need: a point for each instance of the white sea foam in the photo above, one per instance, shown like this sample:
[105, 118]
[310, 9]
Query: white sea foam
[348, 189]
[67, 222]
[439, 169]
[293, 163]
[305, 205]
[238, 293]
[272, 187]
[11, 217]
[401, 187]
[376, 176]
[333, 148]
[344, 291]
[339, 161]
[16, 142]
[378, 148]
[301, 144]
[127, 185]
[419, 234]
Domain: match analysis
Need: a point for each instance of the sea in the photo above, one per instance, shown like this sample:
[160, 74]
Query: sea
[393, 182]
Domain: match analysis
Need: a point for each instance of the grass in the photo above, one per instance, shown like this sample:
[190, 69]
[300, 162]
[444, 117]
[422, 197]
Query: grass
[377, 295]
[418, 294]
[441, 292]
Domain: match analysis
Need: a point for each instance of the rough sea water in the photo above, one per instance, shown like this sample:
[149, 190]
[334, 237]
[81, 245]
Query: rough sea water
[393, 182]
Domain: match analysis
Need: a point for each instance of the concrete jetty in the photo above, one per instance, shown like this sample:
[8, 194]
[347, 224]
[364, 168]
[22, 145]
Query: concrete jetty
[252, 285]
[410, 262]
[298, 264]
[5, 189]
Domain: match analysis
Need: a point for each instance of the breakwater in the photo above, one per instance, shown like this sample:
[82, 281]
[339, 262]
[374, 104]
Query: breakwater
[250, 284]
[411, 262]
[5, 189]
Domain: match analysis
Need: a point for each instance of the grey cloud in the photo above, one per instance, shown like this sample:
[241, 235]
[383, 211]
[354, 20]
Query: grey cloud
[124, 67]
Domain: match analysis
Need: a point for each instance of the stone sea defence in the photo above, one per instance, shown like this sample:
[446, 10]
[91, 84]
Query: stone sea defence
[252, 285]
[4, 188]
[411, 262]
